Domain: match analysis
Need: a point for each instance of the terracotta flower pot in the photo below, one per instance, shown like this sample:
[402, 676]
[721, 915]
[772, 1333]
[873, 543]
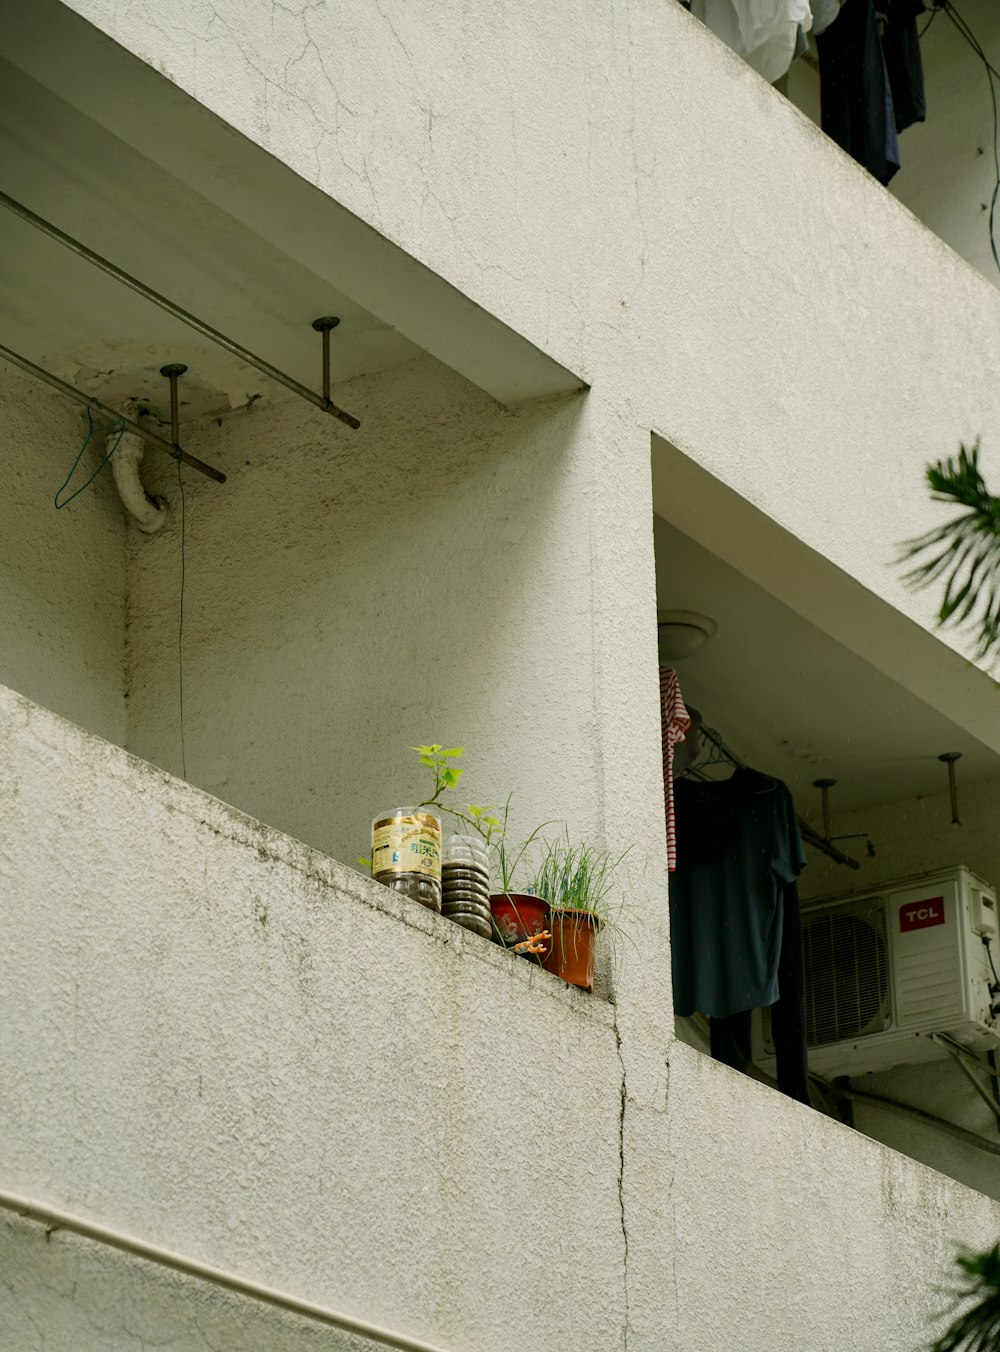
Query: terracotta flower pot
[574, 944]
[516, 917]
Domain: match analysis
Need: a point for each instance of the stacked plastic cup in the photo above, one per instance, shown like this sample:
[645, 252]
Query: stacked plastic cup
[465, 884]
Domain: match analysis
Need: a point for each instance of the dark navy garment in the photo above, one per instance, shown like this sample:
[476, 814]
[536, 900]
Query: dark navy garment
[731, 1038]
[855, 95]
[903, 62]
[739, 849]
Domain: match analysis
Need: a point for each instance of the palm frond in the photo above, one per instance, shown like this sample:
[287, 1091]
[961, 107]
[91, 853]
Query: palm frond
[976, 1329]
[964, 552]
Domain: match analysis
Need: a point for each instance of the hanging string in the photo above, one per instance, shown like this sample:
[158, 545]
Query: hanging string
[120, 424]
[180, 627]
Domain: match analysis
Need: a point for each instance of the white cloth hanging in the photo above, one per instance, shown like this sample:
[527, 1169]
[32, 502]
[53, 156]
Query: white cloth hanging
[763, 32]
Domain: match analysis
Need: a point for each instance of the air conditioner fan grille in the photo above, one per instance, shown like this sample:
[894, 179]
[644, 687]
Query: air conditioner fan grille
[847, 975]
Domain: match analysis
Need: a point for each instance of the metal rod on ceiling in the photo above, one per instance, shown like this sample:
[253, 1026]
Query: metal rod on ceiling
[824, 786]
[949, 758]
[146, 433]
[809, 833]
[321, 401]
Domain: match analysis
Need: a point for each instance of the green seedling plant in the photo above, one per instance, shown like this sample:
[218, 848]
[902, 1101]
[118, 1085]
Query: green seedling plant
[489, 822]
[483, 820]
[439, 760]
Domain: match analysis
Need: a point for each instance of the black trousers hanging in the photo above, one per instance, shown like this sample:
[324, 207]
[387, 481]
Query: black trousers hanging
[730, 1037]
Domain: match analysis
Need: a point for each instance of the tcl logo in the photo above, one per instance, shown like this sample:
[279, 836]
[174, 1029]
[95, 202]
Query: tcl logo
[921, 914]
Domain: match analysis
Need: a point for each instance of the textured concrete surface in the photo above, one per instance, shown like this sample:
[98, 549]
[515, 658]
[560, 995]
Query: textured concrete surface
[625, 192]
[350, 595]
[231, 1046]
[62, 573]
[226, 1059]
[858, 1260]
[227, 1044]
[64, 1294]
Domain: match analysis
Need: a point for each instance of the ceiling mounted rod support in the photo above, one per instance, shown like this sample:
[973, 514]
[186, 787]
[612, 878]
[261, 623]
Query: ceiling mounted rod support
[173, 371]
[324, 326]
[146, 433]
[949, 758]
[824, 786]
[185, 316]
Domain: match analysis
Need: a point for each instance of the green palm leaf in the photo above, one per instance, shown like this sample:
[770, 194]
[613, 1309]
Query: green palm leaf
[976, 1329]
[964, 552]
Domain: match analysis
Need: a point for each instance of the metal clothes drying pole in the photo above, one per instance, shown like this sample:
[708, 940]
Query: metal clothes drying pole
[809, 833]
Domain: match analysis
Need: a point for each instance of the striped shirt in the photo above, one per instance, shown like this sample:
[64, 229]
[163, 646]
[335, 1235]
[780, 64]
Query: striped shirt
[674, 724]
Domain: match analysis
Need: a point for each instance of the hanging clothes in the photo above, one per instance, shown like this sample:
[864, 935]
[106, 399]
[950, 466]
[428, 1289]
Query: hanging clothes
[856, 108]
[674, 724]
[730, 1038]
[735, 928]
[903, 62]
[824, 13]
[740, 845]
[763, 32]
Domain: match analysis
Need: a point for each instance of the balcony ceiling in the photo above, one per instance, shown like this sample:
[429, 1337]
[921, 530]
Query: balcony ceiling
[793, 701]
[114, 154]
[65, 314]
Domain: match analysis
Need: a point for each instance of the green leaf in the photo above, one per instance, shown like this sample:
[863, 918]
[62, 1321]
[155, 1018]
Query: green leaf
[454, 751]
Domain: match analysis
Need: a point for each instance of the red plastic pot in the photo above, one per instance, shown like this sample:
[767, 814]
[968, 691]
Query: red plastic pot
[574, 944]
[516, 917]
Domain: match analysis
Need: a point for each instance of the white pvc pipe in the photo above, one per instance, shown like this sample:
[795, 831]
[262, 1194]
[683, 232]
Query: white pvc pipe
[62, 1220]
[150, 513]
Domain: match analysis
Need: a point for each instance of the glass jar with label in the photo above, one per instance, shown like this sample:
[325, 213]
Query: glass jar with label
[406, 853]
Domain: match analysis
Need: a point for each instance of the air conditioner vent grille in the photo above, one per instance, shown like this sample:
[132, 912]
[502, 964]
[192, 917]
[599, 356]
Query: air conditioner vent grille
[847, 974]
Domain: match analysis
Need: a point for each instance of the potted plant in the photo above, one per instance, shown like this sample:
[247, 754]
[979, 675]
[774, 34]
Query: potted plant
[520, 920]
[579, 883]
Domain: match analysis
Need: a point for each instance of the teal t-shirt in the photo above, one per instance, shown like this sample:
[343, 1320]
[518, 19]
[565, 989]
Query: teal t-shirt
[738, 846]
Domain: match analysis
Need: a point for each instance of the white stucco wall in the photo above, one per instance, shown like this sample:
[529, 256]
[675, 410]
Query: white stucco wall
[249, 1054]
[62, 573]
[348, 595]
[620, 188]
[948, 172]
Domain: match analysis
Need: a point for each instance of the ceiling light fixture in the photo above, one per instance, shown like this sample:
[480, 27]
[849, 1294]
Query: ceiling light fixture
[682, 633]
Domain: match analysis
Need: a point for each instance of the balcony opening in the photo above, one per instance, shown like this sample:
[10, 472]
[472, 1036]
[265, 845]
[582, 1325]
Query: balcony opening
[895, 897]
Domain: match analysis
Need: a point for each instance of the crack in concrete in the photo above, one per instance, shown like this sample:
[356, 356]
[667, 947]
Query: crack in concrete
[621, 1178]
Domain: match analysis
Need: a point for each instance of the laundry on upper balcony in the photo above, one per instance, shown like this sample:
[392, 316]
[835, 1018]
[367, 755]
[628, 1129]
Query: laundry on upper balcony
[871, 74]
[872, 80]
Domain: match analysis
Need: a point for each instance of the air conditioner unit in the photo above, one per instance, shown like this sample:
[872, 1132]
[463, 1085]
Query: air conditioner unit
[886, 968]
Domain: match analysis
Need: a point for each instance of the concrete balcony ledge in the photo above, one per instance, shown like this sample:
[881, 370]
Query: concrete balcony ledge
[34, 736]
[219, 1040]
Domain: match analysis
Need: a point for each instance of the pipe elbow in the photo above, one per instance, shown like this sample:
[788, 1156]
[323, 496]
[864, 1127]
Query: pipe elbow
[150, 513]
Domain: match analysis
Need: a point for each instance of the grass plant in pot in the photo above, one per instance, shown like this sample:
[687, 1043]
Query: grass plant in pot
[579, 882]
